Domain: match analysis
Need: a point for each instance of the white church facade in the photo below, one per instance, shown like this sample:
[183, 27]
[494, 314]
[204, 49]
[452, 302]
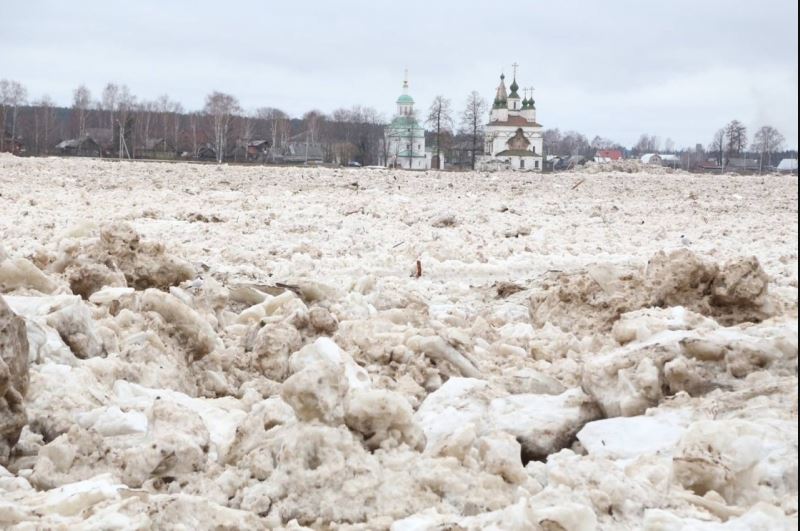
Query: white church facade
[404, 137]
[513, 137]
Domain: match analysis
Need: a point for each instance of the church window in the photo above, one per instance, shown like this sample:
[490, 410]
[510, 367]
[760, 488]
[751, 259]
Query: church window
[536, 164]
[521, 164]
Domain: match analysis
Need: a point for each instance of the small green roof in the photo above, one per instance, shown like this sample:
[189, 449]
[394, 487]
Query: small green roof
[405, 121]
[405, 99]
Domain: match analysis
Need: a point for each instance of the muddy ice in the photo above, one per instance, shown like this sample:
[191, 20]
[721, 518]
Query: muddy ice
[212, 347]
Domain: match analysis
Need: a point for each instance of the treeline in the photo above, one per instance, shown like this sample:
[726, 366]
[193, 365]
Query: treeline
[124, 126]
[115, 123]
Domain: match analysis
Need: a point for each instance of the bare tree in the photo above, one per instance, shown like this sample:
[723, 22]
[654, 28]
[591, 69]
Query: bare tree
[221, 107]
[273, 118]
[124, 105]
[5, 90]
[736, 138]
[177, 115]
[194, 125]
[3, 110]
[574, 143]
[669, 145]
[647, 144]
[717, 145]
[551, 139]
[472, 122]
[441, 119]
[767, 141]
[81, 100]
[108, 102]
[12, 95]
[145, 111]
[313, 122]
[243, 128]
[164, 107]
[18, 95]
[44, 118]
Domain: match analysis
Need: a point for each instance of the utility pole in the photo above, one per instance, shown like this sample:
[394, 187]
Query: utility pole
[122, 144]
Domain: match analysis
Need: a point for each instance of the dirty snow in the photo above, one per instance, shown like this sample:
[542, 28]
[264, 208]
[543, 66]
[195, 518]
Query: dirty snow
[284, 348]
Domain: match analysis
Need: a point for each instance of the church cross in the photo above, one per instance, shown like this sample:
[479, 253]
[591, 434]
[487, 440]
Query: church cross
[514, 66]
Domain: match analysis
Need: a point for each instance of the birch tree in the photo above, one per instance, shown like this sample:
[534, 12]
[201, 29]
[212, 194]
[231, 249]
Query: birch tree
[12, 95]
[81, 100]
[43, 118]
[3, 111]
[18, 96]
[274, 118]
[313, 121]
[472, 122]
[108, 102]
[221, 107]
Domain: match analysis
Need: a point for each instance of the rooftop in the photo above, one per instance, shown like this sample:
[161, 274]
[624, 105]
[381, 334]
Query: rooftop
[516, 121]
[517, 153]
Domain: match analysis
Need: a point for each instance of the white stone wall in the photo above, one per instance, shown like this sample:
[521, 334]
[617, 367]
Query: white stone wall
[497, 138]
[398, 143]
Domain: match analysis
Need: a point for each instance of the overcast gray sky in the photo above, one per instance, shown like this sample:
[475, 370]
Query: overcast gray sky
[678, 69]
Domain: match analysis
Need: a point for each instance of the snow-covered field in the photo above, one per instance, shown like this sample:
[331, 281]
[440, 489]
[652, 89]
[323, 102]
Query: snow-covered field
[223, 347]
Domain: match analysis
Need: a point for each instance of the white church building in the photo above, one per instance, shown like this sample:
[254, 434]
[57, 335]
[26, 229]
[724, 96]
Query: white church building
[404, 137]
[513, 137]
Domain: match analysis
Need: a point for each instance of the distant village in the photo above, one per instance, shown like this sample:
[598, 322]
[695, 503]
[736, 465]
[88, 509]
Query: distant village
[487, 134]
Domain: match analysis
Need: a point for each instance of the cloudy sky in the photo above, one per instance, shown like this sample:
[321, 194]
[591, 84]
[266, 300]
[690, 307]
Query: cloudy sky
[679, 69]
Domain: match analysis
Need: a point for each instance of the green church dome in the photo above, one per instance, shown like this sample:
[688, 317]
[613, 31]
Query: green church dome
[405, 99]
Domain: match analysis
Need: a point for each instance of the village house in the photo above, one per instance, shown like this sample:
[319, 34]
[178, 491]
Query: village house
[85, 146]
[708, 166]
[742, 165]
[157, 148]
[787, 166]
[301, 153]
[96, 142]
[12, 144]
[651, 158]
[669, 160]
[256, 150]
[607, 155]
